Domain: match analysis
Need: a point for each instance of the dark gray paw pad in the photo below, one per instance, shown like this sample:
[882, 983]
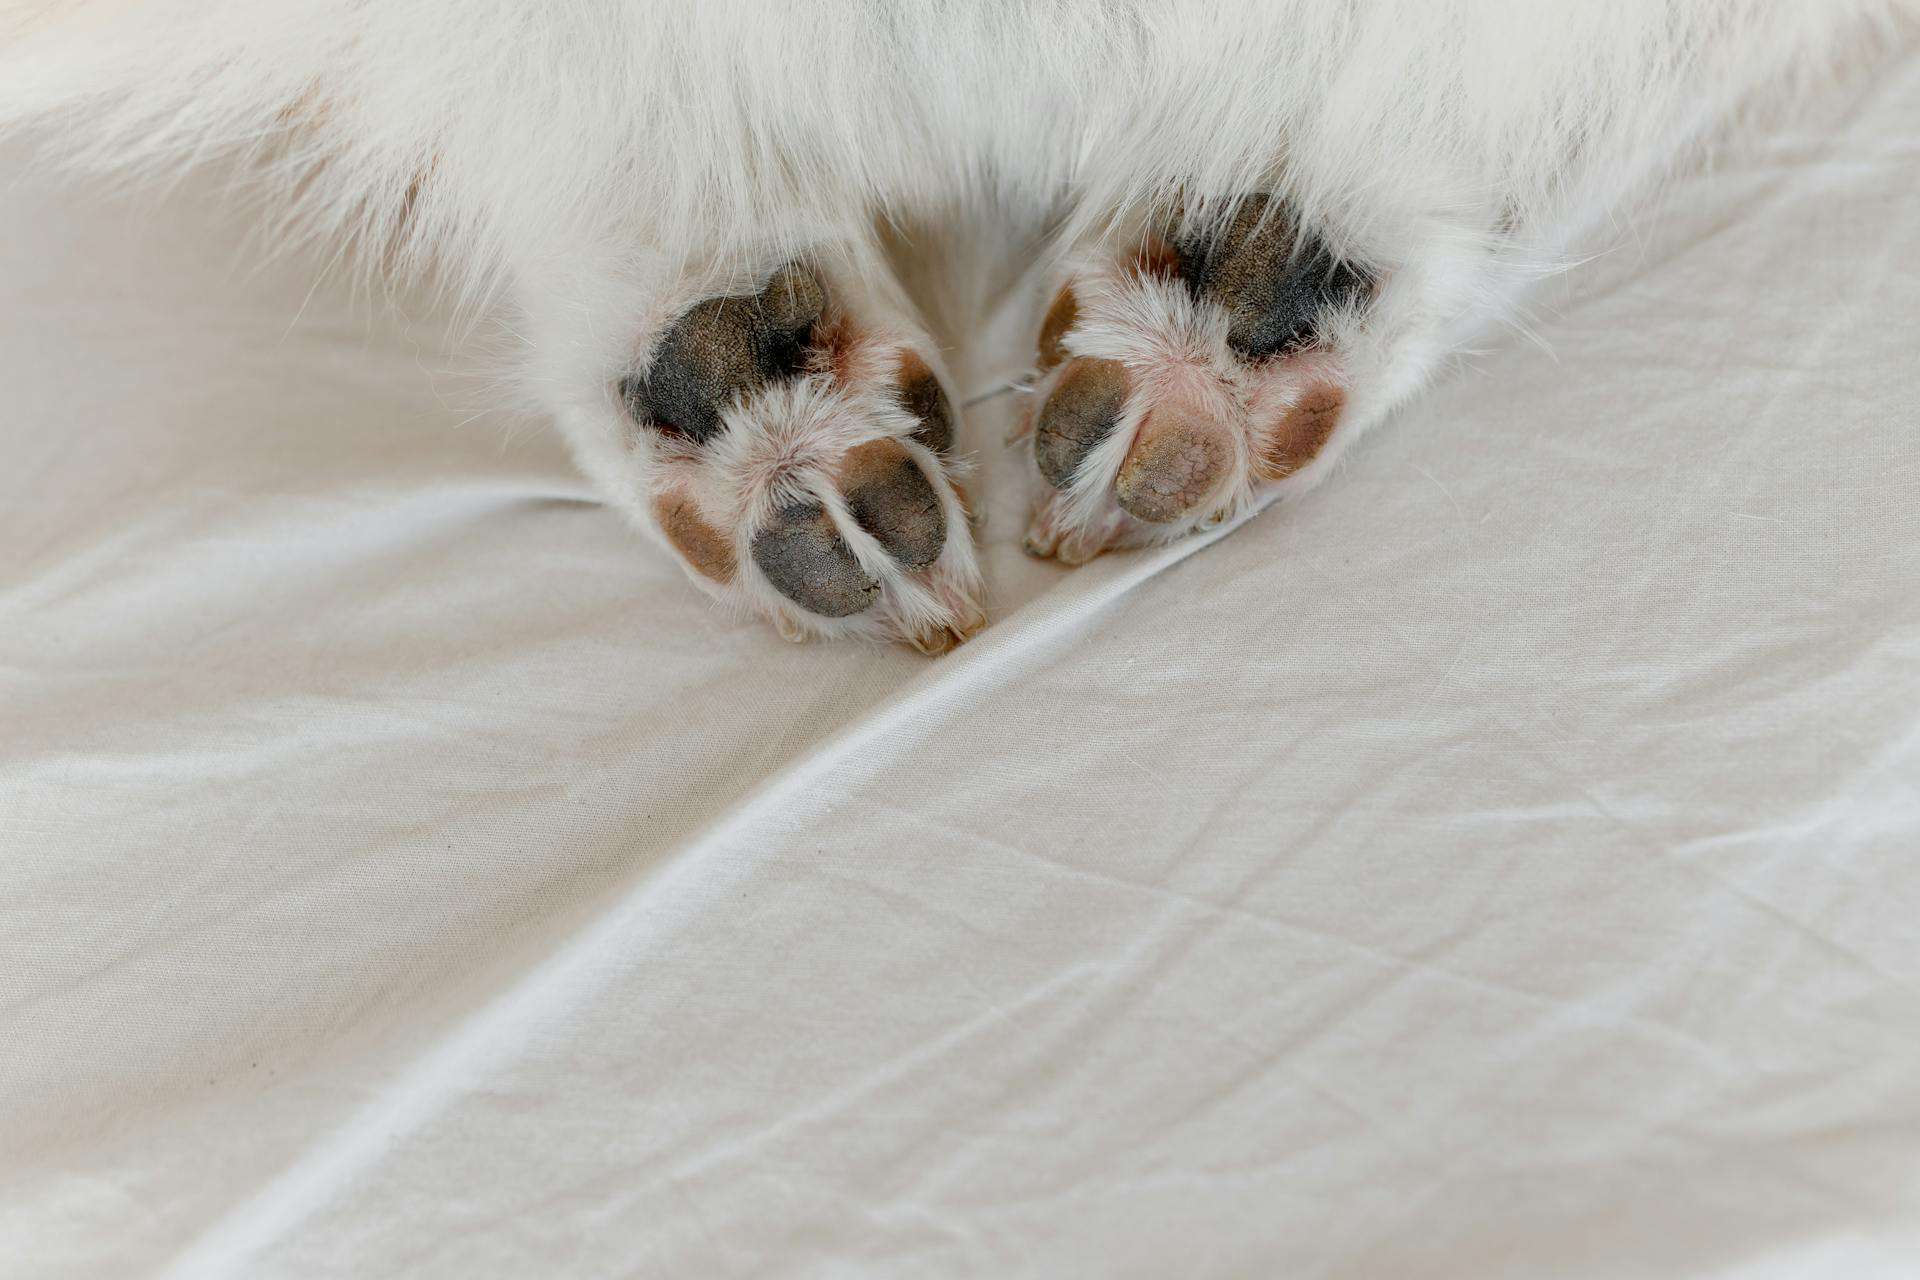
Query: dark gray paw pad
[1082, 411]
[1271, 277]
[922, 396]
[725, 348]
[891, 498]
[804, 558]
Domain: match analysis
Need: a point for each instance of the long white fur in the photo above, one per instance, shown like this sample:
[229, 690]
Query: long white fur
[530, 124]
[608, 161]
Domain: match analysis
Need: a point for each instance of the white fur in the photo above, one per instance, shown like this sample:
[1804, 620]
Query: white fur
[607, 162]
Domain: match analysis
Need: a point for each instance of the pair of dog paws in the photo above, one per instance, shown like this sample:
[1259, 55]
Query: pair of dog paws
[800, 438]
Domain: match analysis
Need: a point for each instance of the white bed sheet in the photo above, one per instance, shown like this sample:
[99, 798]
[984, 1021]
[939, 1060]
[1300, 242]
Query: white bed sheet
[1503, 863]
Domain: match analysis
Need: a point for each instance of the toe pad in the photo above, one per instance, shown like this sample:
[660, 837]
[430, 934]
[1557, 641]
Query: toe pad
[804, 558]
[1175, 465]
[892, 499]
[1082, 411]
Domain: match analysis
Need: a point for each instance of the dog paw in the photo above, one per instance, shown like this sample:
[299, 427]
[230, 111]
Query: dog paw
[801, 464]
[1187, 367]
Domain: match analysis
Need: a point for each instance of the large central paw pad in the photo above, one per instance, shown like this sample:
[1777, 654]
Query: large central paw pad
[804, 465]
[1184, 366]
[723, 349]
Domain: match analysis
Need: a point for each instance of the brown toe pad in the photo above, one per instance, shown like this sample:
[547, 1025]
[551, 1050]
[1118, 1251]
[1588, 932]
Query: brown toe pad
[1299, 436]
[1174, 467]
[694, 536]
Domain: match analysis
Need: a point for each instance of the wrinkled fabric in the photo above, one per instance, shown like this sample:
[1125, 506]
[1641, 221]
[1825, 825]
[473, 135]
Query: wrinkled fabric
[1503, 862]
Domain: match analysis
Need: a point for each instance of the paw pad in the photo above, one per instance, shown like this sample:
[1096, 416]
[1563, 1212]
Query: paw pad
[1134, 337]
[891, 498]
[805, 559]
[921, 394]
[723, 349]
[1175, 465]
[1083, 410]
[1271, 279]
[799, 374]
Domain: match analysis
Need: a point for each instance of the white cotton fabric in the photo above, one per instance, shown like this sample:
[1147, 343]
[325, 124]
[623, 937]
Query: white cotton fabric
[1504, 862]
